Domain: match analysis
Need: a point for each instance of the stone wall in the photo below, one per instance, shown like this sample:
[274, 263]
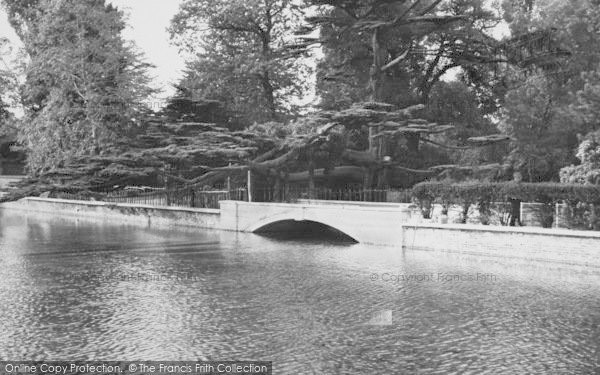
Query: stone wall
[125, 213]
[540, 244]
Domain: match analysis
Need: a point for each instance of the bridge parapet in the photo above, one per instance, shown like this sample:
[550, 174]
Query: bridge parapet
[373, 224]
[356, 203]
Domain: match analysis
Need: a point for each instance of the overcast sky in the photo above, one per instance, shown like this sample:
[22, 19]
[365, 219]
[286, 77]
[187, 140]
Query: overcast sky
[148, 21]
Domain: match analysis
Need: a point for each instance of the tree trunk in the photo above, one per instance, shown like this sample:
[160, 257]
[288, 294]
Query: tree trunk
[376, 73]
[269, 94]
[413, 141]
[377, 95]
[268, 89]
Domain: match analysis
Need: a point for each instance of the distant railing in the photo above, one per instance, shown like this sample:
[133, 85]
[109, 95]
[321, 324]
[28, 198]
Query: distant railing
[206, 198]
[345, 194]
[187, 197]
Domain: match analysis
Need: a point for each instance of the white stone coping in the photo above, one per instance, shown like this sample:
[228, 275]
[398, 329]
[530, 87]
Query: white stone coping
[214, 211]
[356, 203]
[346, 205]
[507, 229]
[11, 177]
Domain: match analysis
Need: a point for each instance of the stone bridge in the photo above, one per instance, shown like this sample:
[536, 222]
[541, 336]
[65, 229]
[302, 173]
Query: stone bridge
[364, 222]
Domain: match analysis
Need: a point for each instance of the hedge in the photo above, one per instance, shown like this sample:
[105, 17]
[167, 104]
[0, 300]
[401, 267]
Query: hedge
[546, 192]
[483, 193]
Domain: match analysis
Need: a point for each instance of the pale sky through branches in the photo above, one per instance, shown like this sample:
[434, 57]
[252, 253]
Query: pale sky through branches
[147, 26]
[148, 21]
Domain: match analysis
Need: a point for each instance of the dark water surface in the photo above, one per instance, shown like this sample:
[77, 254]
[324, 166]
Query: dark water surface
[71, 289]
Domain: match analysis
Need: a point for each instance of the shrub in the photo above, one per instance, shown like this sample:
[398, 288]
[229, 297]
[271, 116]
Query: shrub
[484, 193]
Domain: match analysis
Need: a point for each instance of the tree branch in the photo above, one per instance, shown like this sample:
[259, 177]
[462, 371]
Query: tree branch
[433, 19]
[411, 7]
[449, 147]
[430, 8]
[395, 61]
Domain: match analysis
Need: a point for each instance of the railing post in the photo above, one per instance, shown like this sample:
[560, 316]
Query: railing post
[287, 191]
[249, 184]
[278, 194]
[229, 186]
[311, 176]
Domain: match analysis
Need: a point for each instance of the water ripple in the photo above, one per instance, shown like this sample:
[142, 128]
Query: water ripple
[117, 292]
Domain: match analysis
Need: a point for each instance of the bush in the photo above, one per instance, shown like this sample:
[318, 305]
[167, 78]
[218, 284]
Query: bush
[484, 193]
[544, 213]
[580, 216]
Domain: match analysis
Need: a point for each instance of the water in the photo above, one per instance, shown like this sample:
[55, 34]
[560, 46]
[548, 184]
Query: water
[71, 289]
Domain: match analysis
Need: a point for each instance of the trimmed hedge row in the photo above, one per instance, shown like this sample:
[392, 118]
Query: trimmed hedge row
[546, 192]
[583, 200]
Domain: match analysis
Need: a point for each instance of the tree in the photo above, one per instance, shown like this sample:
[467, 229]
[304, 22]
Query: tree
[84, 86]
[8, 84]
[541, 130]
[181, 108]
[587, 110]
[399, 49]
[8, 102]
[588, 171]
[457, 103]
[24, 16]
[242, 55]
[576, 24]
[395, 52]
[172, 150]
[540, 106]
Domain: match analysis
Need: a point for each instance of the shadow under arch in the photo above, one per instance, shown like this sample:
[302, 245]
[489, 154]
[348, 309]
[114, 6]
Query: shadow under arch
[303, 229]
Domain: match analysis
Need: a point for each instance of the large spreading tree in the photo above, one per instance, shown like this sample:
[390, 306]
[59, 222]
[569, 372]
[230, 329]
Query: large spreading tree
[395, 52]
[378, 126]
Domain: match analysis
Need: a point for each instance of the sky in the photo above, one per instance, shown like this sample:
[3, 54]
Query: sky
[148, 21]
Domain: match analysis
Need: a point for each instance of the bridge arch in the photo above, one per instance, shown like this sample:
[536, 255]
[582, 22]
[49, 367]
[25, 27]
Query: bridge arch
[281, 222]
[365, 223]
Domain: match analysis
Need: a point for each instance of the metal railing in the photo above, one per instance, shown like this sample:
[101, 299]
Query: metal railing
[205, 198]
[345, 194]
[187, 197]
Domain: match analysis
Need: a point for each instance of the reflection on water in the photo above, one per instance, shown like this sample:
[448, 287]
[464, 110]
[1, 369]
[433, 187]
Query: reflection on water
[76, 290]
